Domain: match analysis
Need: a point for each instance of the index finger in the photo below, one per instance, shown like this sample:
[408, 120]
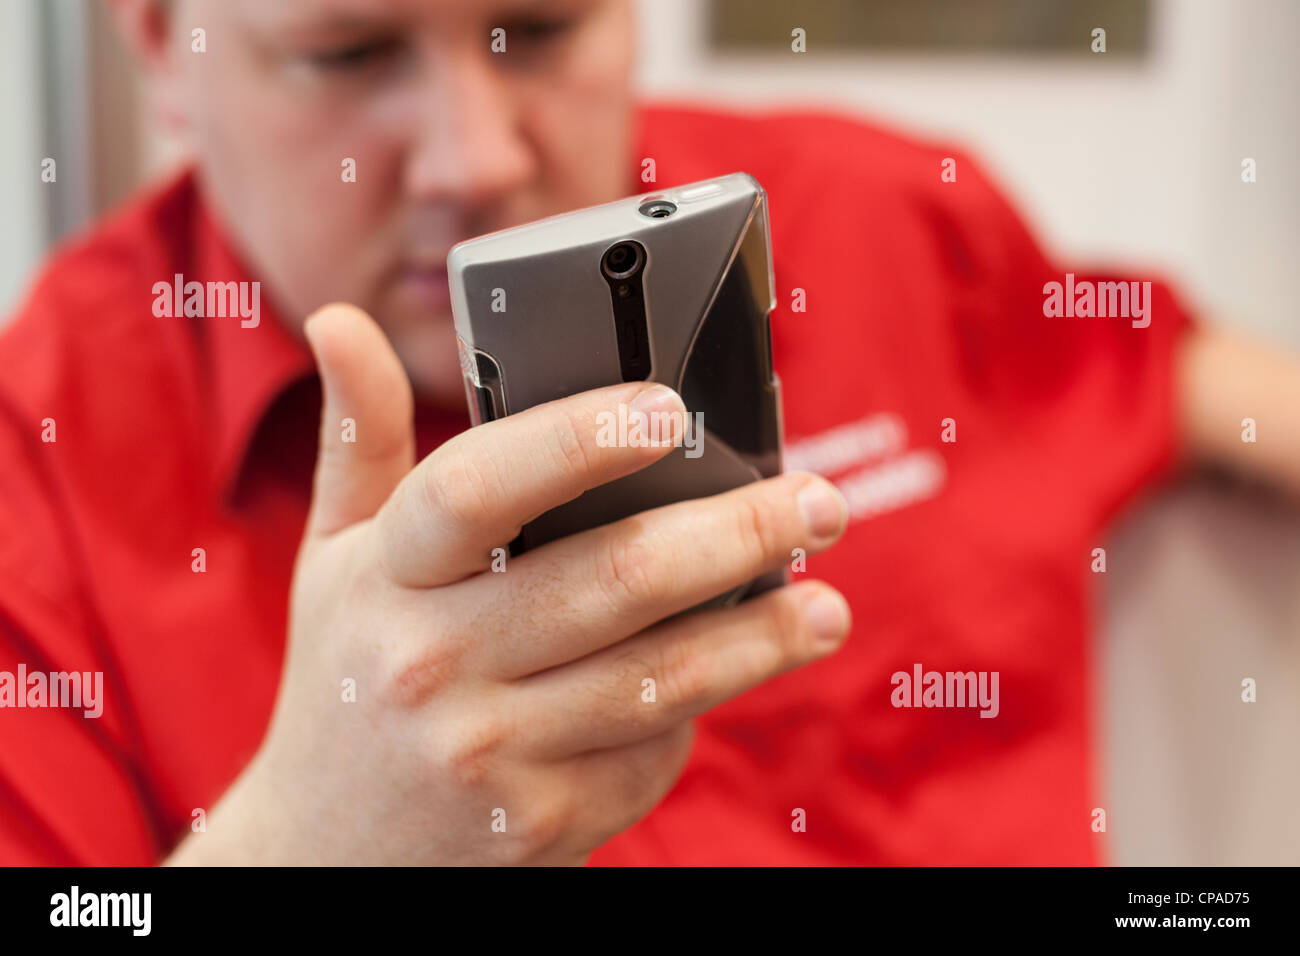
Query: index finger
[476, 491]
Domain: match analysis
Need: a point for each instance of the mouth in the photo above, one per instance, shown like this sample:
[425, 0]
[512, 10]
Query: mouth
[425, 281]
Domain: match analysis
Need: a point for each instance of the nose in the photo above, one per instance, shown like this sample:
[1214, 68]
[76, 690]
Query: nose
[470, 147]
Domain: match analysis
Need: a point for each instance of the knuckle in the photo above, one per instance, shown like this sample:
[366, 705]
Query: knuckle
[626, 568]
[786, 628]
[460, 490]
[630, 670]
[572, 442]
[755, 531]
[363, 583]
[413, 679]
[683, 673]
[546, 822]
[472, 754]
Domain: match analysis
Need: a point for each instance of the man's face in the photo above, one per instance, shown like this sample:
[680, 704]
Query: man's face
[450, 139]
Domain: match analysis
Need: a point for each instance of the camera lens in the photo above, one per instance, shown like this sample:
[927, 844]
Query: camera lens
[622, 260]
[657, 208]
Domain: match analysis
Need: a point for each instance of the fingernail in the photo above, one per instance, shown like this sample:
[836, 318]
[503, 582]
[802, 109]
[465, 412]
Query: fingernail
[827, 614]
[657, 398]
[823, 508]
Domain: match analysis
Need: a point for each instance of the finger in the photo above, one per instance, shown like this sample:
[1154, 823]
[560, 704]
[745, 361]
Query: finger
[620, 785]
[589, 590]
[476, 491]
[642, 686]
[366, 438]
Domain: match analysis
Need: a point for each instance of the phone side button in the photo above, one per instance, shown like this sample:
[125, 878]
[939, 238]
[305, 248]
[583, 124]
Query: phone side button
[485, 406]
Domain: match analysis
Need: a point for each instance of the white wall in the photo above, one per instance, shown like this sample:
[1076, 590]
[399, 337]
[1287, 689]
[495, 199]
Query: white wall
[1132, 162]
[22, 228]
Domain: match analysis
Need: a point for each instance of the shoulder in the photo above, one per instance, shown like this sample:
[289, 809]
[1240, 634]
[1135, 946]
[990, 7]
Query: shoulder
[820, 150]
[90, 373]
[804, 136]
[842, 175]
[84, 342]
[81, 326]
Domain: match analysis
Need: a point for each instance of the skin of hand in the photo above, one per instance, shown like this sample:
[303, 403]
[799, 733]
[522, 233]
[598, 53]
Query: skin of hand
[514, 698]
[1224, 378]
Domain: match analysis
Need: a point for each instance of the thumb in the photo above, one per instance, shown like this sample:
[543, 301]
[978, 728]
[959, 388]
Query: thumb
[367, 443]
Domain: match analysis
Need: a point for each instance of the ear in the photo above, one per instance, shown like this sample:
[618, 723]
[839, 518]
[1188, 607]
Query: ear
[147, 26]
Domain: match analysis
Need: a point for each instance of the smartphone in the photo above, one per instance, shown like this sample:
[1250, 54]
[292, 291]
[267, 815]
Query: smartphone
[673, 286]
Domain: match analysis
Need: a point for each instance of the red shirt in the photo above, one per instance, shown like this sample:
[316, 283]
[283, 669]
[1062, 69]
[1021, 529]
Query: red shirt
[923, 301]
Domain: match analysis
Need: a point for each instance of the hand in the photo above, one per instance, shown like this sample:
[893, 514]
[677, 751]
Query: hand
[512, 698]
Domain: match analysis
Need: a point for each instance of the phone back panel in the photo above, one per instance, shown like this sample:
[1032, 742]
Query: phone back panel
[535, 322]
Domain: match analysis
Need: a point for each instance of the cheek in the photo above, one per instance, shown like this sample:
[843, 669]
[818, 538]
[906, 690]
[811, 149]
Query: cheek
[582, 120]
[287, 149]
[273, 159]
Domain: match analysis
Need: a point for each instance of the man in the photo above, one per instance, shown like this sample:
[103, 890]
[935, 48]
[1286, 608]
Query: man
[305, 656]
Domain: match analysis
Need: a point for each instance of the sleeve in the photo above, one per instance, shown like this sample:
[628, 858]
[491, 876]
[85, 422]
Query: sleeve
[1075, 367]
[69, 793]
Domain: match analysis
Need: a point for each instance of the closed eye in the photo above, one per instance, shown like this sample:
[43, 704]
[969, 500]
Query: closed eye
[541, 30]
[354, 56]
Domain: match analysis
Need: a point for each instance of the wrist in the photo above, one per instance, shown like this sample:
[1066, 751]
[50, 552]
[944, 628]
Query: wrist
[245, 828]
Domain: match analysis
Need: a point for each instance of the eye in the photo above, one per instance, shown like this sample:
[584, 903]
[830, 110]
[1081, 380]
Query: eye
[540, 30]
[353, 56]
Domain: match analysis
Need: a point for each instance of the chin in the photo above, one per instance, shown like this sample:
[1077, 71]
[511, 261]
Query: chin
[436, 390]
[428, 352]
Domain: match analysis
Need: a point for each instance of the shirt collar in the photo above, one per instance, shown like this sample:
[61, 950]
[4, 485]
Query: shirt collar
[248, 367]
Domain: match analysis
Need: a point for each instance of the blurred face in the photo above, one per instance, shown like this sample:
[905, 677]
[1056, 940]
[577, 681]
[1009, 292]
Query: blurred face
[450, 139]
